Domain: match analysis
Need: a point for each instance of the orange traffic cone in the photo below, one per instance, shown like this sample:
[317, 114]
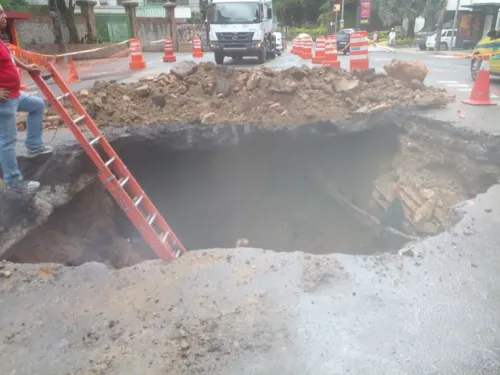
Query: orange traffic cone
[319, 53]
[197, 51]
[136, 58]
[294, 47]
[331, 55]
[480, 94]
[307, 49]
[169, 50]
[300, 45]
[72, 73]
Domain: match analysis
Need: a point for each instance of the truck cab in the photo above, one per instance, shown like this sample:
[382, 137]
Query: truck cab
[242, 28]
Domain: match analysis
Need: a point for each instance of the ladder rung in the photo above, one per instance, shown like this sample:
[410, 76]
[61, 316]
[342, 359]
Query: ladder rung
[107, 164]
[164, 237]
[123, 181]
[138, 200]
[178, 253]
[151, 219]
[78, 119]
[63, 96]
[95, 140]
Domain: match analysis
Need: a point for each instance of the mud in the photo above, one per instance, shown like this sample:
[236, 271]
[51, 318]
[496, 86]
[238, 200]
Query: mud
[218, 95]
[283, 190]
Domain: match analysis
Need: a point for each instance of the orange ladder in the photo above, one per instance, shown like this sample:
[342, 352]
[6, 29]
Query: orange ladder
[113, 173]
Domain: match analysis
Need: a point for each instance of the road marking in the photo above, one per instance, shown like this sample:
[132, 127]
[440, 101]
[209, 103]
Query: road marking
[465, 90]
[447, 82]
[457, 85]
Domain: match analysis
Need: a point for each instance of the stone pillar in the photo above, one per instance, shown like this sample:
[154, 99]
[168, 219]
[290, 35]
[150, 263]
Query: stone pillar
[87, 7]
[169, 6]
[130, 8]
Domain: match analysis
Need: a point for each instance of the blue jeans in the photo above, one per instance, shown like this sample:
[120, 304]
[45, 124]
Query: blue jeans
[34, 106]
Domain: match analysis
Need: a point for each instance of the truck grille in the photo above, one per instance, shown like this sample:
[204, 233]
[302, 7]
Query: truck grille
[235, 37]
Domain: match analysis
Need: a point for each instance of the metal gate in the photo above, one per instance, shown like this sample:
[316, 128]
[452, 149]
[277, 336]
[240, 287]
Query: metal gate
[112, 27]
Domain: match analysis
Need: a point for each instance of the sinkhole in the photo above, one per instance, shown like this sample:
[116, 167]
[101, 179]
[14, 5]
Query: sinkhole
[281, 190]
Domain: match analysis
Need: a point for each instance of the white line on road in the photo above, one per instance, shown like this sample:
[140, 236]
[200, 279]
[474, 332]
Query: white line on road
[458, 85]
[447, 82]
[465, 90]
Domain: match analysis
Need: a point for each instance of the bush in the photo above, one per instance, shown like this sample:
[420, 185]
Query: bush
[313, 32]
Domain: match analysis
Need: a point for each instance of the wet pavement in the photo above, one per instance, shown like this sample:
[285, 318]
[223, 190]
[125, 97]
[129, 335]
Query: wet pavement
[251, 312]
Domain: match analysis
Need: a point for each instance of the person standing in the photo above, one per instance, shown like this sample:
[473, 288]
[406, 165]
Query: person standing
[13, 100]
[392, 38]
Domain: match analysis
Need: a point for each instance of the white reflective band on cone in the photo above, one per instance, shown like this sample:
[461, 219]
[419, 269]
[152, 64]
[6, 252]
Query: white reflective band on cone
[359, 57]
[359, 48]
[358, 40]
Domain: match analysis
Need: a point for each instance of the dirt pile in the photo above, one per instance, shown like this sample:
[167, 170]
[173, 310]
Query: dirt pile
[213, 94]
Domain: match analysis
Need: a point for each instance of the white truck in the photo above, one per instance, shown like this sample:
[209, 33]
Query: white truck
[240, 28]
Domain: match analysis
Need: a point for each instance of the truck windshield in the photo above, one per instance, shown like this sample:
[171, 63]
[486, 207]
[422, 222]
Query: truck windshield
[235, 13]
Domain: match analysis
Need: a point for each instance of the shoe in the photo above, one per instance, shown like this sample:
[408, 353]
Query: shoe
[24, 186]
[42, 150]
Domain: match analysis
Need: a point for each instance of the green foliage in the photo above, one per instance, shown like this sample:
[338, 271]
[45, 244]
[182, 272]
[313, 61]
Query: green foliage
[13, 3]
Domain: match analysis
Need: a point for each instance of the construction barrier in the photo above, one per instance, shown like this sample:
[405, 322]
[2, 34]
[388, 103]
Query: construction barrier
[169, 50]
[331, 55]
[72, 73]
[358, 49]
[319, 51]
[197, 51]
[480, 94]
[307, 48]
[300, 46]
[136, 59]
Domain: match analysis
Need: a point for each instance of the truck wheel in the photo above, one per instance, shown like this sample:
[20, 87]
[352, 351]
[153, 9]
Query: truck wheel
[262, 56]
[422, 47]
[219, 58]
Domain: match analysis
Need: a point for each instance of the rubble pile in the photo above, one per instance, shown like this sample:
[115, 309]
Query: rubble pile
[213, 94]
[433, 173]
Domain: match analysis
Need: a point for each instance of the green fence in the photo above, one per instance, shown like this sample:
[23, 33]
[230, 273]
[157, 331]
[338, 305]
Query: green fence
[112, 27]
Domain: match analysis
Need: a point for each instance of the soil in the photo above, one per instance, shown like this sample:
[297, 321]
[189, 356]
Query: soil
[213, 94]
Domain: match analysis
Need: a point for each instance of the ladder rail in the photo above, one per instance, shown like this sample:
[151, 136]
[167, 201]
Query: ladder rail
[96, 132]
[120, 189]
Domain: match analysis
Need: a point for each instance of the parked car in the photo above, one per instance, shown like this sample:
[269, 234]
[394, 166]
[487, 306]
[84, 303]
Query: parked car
[343, 38]
[488, 44]
[421, 36]
[445, 40]
[279, 43]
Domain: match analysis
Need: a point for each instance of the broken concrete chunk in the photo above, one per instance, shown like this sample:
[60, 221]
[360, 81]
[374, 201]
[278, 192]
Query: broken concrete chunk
[345, 85]
[183, 69]
[142, 91]
[223, 86]
[159, 100]
[282, 87]
[407, 70]
[425, 211]
[253, 81]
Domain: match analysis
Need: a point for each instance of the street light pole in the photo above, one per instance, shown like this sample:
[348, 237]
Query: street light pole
[342, 15]
[455, 22]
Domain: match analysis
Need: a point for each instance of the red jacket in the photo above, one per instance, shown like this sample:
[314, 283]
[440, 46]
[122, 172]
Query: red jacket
[9, 75]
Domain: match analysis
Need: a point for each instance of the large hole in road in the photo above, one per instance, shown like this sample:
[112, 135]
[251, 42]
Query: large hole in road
[281, 191]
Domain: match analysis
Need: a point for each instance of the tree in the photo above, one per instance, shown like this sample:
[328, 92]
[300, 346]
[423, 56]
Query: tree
[59, 8]
[393, 12]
